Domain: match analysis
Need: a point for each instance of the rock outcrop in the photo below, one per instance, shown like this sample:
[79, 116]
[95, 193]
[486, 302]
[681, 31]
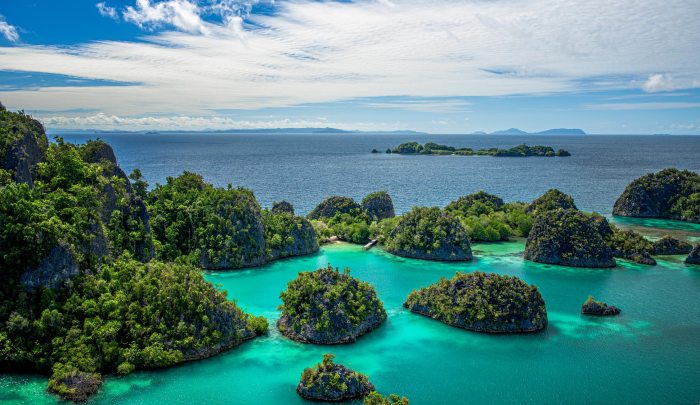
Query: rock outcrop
[282, 207]
[552, 199]
[669, 245]
[482, 302]
[430, 234]
[23, 143]
[670, 193]
[593, 307]
[54, 271]
[75, 385]
[333, 205]
[694, 256]
[287, 235]
[332, 382]
[329, 307]
[630, 245]
[378, 205]
[567, 238]
[465, 203]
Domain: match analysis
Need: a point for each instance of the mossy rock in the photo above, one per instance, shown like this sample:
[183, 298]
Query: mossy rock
[378, 205]
[332, 382]
[567, 238]
[287, 235]
[431, 234]
[72, 384]
[333, 205]
[598, 308]
[630, 245]
[329, 307]
[465, 203]
[552, 199]
[670, 193]
[23, 144]
[694, 256]
[482, 302]
[668, 245]
[282, 207]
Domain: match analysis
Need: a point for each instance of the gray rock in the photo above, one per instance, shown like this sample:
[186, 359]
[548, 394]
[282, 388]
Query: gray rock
[55, 269]
[22, 157]
[694, 256]
[669, 245]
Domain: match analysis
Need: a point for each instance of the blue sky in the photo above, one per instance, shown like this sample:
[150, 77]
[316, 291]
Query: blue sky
[442, 66]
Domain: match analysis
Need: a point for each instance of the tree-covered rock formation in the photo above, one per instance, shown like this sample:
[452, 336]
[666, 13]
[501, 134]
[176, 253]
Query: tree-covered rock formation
[23, 143]
[567, 238]
[331, 206]
[287, 235]
[552, 199]
[487, 218]
[378, 205]
[694, 256]
[282, 207]
[332, 382]
[429, 233]
[482, 302]
[329, 307]
[668, 245]
[670, 193]
[375, 398]
[629, 245]
[217, 228]
[593, 307]
[74, 301]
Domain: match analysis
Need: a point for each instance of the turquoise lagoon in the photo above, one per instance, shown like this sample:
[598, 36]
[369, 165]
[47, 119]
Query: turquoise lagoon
[649, 354]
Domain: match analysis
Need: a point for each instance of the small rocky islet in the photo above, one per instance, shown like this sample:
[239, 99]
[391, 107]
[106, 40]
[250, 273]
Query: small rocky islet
[331, 382]
[598, 308]
[482, 302]
[327, 306]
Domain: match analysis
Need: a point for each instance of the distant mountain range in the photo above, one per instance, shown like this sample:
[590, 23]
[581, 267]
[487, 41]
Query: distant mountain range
[554, 131]
[511, 131]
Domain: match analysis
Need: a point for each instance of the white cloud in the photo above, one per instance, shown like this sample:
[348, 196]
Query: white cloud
[659, 82]
[107, 11]
[642, 106]
[7, 30]
[311, 52]
[181, 14]
[185, 122]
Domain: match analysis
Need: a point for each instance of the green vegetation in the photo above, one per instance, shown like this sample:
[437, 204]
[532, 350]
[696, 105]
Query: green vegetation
[670, 193]
[331, 206]
[332, 382]
[568, 238]
[552, 199]
[282, 207]
[287, 235]
[429, 233]
[326, 306]
[630, 245]
[76, 298]
[488, 219]
[593, 307]
[482, 302]
[378, 205]
[431, 148]
[375, 398]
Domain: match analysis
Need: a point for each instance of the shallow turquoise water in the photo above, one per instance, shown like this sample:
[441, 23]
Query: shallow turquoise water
[649, 354]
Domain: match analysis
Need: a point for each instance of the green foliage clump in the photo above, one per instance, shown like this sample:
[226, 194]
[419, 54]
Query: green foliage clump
[482, 302]
[552, 199]
[16, 125]
[331, 206]
[351, 227]
[288, 235]
[282, 207]
[488, 219]
[375, 398]
[213, 227]
[429, 233]
[327, 306]
[378, 205]
[332, 382]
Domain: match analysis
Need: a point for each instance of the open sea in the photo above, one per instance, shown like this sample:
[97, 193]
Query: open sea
[650, 354]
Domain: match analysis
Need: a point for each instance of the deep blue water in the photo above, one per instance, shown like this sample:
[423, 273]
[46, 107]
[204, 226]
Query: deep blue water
[304, 169]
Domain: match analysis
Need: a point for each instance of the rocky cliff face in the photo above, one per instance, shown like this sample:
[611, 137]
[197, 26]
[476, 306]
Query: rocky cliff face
[53, 272]
[567, 238]
[598, 308]
[669, 245]
[378, 205]
[23, 143]
[289, 236]
[333, 205]
[694, 256]
[670, 193]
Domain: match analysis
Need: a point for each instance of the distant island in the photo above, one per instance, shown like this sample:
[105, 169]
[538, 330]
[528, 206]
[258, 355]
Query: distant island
[554, 131]
[431, 148]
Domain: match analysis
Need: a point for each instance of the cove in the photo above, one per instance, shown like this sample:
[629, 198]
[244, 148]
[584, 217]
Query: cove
[648, 354]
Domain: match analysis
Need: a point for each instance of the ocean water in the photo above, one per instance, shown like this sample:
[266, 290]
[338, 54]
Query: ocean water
[304, 169]
[648, 354]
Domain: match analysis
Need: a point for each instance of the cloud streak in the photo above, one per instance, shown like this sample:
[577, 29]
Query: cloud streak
[8, 31]
[315, 52]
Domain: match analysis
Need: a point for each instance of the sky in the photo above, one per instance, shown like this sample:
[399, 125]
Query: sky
[440, 66]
